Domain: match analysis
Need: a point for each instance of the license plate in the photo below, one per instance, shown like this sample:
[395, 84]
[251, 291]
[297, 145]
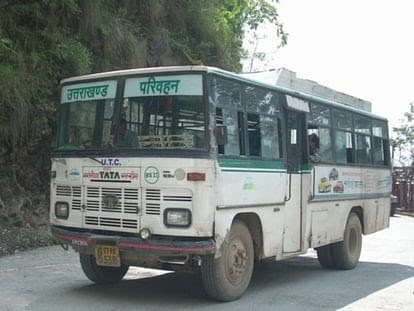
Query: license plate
[107, 255]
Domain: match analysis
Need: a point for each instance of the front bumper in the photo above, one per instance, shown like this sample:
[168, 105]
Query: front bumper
[86, 242]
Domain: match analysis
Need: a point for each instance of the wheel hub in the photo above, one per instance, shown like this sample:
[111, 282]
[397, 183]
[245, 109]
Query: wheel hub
[236, 261]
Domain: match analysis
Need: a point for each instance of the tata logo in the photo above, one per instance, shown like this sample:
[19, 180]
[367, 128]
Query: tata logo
[109, 175]
[110, 201]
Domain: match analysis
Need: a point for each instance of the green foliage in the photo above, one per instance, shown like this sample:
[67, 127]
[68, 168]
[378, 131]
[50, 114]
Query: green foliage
[213, 31]
[36, 52]
[14, 104]
[43, 41]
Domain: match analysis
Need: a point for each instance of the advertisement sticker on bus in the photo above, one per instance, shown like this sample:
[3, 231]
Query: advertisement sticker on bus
[350, 181]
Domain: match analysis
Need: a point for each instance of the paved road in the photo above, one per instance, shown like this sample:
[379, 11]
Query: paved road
[51, 279]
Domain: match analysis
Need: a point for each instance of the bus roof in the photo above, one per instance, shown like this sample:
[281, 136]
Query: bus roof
[256, 79]
[287, 78]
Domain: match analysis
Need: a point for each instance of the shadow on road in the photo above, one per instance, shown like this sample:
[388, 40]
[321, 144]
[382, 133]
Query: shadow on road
[295, 282]
[301, 281]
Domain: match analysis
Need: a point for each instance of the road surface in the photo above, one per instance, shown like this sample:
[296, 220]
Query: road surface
[51, 279]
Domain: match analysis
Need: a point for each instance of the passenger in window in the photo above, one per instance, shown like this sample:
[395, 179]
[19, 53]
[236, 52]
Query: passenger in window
[313, 142]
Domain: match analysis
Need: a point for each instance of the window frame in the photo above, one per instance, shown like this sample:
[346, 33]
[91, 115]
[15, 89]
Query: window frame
[324, 126]
[242, 113]
[353, 132]
[345, 130]
[276, 117]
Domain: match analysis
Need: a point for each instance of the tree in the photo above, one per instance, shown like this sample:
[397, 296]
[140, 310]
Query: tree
[403, 144]
[263, 39]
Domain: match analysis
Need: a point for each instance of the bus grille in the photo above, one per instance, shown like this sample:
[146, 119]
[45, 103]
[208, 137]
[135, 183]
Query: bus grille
[111, 222]
[128, 200]
[152, 201]
[155, 199]
[124, 215]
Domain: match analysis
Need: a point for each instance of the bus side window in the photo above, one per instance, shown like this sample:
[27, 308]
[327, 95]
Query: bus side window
[380, 142]
[269, 130]
[344, 150]
[320, 123]
[325, 147]
[350, 155]
[378, 151]
[228, 118]
[253, 129]
[363, 149]
[279, 137]
[219, 121]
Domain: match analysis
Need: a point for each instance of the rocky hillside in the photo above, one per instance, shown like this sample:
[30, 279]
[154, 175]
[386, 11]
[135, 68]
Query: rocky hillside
[24, 196]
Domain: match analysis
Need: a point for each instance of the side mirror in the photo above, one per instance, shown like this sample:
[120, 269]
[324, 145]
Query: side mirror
[221, 134]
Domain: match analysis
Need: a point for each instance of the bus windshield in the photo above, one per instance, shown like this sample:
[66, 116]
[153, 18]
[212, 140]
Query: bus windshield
[162, 112]
[156, 112]
[86, 115]
[162, 122]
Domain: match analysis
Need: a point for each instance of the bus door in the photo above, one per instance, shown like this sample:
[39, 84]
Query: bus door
[296, 153]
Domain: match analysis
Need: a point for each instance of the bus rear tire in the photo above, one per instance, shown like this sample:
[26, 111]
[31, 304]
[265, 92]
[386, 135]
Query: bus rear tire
[346, 253]
[325, 257]
[227, 277]
[99, 274]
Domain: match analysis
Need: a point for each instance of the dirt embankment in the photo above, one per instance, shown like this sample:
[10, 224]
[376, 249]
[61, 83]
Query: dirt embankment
[24, 197]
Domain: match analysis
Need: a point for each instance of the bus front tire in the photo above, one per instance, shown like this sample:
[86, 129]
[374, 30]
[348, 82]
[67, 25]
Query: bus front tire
[346, 253]
[226, 278]
[99, 274]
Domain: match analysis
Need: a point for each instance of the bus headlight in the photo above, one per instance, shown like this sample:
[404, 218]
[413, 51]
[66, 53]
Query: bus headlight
[62, 210]
[175, 217]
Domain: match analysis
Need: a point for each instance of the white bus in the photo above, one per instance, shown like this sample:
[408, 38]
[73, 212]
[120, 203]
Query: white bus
[197, 168]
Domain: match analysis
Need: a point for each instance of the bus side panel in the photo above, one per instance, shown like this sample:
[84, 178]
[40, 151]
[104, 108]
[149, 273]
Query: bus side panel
[336, 191]
[250, 188]
[326, 221]
[376, 214]
[258, 193]
[272, 226]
